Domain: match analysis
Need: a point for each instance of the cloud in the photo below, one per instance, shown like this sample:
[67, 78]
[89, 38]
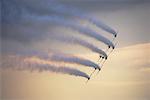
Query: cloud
[20, 32]
[104, 5]
[136, 57]
[16, 24]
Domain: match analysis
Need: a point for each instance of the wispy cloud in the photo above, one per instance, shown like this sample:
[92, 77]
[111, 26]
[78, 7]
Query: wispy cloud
[136, 56]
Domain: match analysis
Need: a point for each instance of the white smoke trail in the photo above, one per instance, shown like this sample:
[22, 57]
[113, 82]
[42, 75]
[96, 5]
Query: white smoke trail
[74, 59]
[50, 56]
[18, 63]
[73, 26]
[60, 8]
[74, 40]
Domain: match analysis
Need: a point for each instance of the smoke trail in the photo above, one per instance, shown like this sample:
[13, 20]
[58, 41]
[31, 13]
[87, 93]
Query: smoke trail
[61, 69]
[75, 12]
[103, 26]
[73, 26]
[86, 44]
[74, 59]
[49, 56]
[20, 63]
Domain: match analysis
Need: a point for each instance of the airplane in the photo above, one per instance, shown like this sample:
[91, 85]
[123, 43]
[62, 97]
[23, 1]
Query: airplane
[111, 51]
[116, 34]
[99, 58]
[101, 66]
[92, 73]
[87, 80]
[98, 68]
[113, 40]
[106, 58]
[102, 57]
[112, 47]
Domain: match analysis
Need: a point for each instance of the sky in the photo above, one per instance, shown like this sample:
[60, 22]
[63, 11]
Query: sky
[125, 74]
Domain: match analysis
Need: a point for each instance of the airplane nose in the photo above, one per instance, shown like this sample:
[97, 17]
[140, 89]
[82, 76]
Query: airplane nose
[99, 69]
